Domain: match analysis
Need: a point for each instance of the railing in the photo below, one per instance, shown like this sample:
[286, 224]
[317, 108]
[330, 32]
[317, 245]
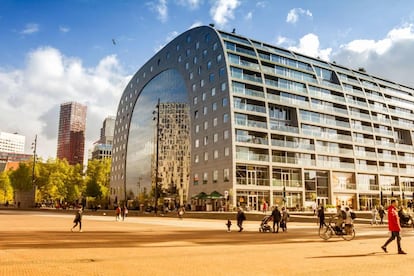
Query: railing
[335, 150]
[330, 108]
[364, 167]
[250, 123]
[252, 156]
[387, 156]
[251, 139]
[362, 127]
[248, 92]
[291, 101]
[250, 107]
[369, 154]
[293, 145]
[252, 182]
[331, 164]
[283, 127]
[388, 169]
[293, 160]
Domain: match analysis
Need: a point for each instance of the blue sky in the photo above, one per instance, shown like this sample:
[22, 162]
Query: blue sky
[53, 51]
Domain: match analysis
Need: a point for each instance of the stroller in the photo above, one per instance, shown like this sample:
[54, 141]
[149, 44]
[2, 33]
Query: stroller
[264, 226]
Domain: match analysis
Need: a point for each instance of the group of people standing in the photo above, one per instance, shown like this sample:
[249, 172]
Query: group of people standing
[280, 219]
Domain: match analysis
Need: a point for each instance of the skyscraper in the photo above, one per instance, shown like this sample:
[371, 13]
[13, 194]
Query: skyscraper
[71, 136]
[103, 147]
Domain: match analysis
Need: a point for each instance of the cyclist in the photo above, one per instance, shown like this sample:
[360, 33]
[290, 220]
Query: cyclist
[348, 220]
[339, 217]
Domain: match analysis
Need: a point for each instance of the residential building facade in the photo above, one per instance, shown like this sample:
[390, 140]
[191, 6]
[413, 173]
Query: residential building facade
[271, 125]
[103, 147]
[71, 135]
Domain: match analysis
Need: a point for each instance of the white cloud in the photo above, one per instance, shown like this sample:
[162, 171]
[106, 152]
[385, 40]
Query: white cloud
[161, 9]
[30, 28]
[64, 29]
[32, 95]
[191, 4]
[261, 4]
[249, 16]
[390, 57]
[223, 10]
[293, 15]
[309, 45]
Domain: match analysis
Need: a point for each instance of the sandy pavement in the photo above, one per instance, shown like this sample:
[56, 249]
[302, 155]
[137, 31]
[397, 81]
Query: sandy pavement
[41, 243]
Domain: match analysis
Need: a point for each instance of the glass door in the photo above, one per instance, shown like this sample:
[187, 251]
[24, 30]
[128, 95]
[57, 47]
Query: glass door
[251, 177]
[253, 202]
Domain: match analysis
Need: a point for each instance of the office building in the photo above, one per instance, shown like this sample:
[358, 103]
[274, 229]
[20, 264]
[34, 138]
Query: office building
[103, 147]
[12, 142]
[269, 124]
[71, 136]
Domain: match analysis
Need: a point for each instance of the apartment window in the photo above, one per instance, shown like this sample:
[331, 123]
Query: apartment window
[215, 154]
[206, 156]
[195, 100]
[226, 175]
[213, 91]
[215, 46]
[196, 114]
[188, 52]
[205, 110]
[197, 143]
[226, 134]
[197, 128]
[196, 158]
[191, 75]
[209, 64]
[219, 57]
[205, 125]
[215, 137]
[204, 53]
[224, 101]
[194, 88]
[211, 77]
[197, 45]
[223, 86]
[215, 176]
[205, 140]
[187, 66]
[196, 179]
[195, 60]
[202, 82]
[179, 59]
[214, 106]
[215, 121]
[205, 178]
[226, 151]
[204, 96]
[225, 118]
[222, 71]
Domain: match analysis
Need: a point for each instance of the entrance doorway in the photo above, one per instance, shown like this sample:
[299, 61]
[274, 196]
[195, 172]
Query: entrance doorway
[252, 202]
[321, 201]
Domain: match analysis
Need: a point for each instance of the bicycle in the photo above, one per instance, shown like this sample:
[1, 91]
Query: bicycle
[347, 232]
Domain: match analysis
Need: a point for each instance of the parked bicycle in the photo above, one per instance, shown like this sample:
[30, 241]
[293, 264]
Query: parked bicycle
[347, 232]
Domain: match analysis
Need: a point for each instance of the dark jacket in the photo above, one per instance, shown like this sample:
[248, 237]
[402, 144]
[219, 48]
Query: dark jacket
[240, 216]
[276, 214]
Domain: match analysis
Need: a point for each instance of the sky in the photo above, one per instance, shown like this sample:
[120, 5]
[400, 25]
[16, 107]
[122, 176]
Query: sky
[55, 51]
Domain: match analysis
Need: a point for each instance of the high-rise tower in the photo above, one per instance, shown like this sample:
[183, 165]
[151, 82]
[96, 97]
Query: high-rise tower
[71, 136]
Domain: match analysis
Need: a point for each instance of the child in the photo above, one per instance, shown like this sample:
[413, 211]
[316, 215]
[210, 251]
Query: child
[228, 224]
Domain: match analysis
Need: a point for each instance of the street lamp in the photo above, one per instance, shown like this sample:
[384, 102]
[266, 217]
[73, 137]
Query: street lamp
[34, 146]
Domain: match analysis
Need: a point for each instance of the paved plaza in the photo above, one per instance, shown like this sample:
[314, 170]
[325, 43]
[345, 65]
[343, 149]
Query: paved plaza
[41, 243]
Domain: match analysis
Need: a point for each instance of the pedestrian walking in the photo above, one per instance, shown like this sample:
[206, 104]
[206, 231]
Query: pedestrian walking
[78, 220]
[381, 213]
[285, 219]
[276, 216]
[321, 216]
[374, 213]
[240, 218]
[394, 227]
[228, 224]
[118, 213]
[124, 212]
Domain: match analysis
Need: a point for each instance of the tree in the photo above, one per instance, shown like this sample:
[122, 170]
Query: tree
[6, 189]
[21, 178]
[97, 178]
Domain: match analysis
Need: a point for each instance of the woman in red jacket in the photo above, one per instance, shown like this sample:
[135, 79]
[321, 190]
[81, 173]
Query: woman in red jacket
[394, 227]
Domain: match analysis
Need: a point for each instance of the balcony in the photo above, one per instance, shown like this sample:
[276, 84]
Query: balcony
[250, 156]
[250, 107]
[292, 144]
[248, 92]
[250, 123]
[283, 127]
[251, 139]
